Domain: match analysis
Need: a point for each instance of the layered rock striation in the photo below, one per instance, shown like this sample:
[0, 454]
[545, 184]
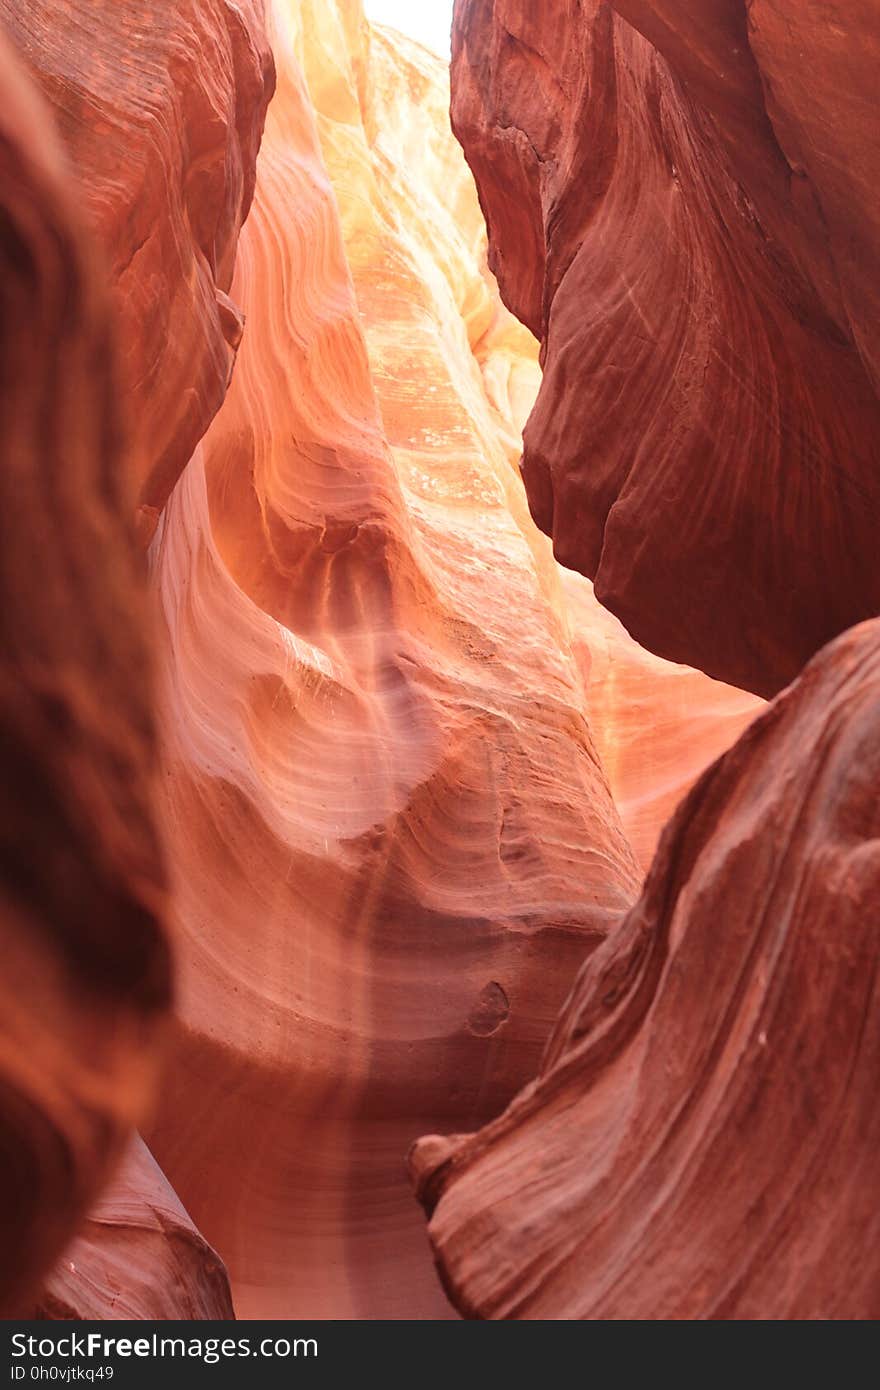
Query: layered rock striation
[137, 1257]
[700, 1141]
[160, 108]
[393, 841]
[410, 771]
[687, 220]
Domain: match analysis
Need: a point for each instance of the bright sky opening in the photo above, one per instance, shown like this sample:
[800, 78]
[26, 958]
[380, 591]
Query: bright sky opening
[429, 21]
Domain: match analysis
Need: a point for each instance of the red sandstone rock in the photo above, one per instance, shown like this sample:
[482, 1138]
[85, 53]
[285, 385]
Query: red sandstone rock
[701, 1141]
[393, 842]
[819, 75]
[161, 108]
[85, 977]
[392, 838]
[138, 1256]
[682, 205]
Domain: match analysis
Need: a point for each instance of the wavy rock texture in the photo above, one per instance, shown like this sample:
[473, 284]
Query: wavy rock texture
[701, 1141]
[656, 725]
[161, 108]
[680, 201]
[138, 1256]
[393, 841]
[818, 74]
[85, 980]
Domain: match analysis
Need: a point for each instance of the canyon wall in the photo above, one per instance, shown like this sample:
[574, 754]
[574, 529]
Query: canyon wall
[410, 771]
[699, 1141]
[378, 701]
[160, 109]
[392, 841]
[128, 149]
[375, 685]
[688, 222]
[86, 976]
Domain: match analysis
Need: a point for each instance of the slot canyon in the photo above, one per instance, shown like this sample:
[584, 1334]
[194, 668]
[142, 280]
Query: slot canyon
[440, 710]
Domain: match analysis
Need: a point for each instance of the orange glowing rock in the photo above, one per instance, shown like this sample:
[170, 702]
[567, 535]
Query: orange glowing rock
[160, 106]
[411, 772]
[657, 726]
[393, 842]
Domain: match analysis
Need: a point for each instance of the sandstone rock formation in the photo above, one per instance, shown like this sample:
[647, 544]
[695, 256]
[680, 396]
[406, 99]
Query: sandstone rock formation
[411, 771]
[393, 843]
[657, 726]
[722, 1040]
[138, 1256]
[680, 202]
[85, 980]
[701, 1141]
[160, 108]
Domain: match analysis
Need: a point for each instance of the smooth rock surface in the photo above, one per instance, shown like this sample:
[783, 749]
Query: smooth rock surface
[85, 979]
[657, 726]
[681, 203]
[393, 841]
[701, 1140]
[160, 107]
[137, 1256]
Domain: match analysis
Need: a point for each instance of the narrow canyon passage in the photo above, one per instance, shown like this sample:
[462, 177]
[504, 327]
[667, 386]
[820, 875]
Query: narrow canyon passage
[398, 812]
[441, 856]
